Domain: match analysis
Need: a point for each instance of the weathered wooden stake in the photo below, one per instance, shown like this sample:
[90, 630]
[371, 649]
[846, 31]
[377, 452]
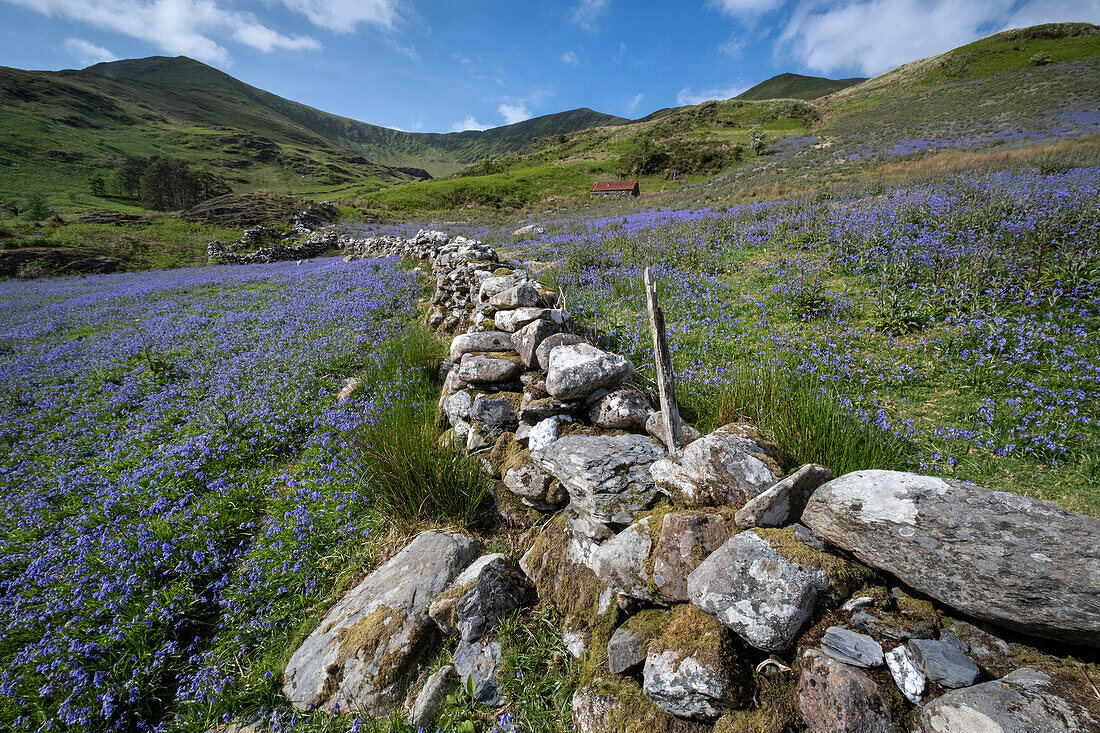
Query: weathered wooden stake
[666, 381]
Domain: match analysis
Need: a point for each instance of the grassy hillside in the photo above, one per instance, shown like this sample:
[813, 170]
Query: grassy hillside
[59, 128]
[797, 86]
[684, 145]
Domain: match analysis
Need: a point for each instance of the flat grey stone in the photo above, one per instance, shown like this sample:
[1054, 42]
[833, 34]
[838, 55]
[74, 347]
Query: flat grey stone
[527, 339]
[524, 295]
[493, 414]
[944, 663]
[483, 661]
[783, 503]
[851, 647]
[513, 320]
[1015, 561]
[484, 341]
[626, 651]
[620, 562]
[367, 646]
[1025, 701]
[623, 409]
[480, 368]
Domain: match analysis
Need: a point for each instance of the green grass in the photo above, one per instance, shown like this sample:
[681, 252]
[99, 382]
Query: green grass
[164, 242]
[1015, 50]
[414, 477]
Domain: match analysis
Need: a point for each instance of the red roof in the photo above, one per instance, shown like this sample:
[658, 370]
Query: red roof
[614, 186]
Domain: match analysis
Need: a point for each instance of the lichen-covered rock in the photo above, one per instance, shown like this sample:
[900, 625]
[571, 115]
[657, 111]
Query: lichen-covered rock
[499, 589]
[727, 467]
[484, 341]
[524, 295]
[513, 320]
[361, 654]
[756, 591]
[617, 705]
[1025, 701]
[834, 697]
[693, 670]
[783, 503]
[490, 286]
[621, 562]
[623, 409]
[542, 353]
[578, 370]
[607, 478]
[1016, 561]
[527, 339]
[494, 414]
[629, 645]
[483, 660]
[686, 539]
[488, 368]
[528, 481]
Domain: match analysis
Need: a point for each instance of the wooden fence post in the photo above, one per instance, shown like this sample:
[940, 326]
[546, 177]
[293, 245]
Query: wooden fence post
[666, 381]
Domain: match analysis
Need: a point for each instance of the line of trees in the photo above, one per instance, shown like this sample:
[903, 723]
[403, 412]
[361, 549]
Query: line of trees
[159, 183]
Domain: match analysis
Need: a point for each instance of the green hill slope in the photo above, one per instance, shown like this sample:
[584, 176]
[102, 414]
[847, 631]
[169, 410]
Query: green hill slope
[59, 128]
[797, 86]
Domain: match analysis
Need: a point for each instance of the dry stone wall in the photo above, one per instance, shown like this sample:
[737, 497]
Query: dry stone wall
[717, 588]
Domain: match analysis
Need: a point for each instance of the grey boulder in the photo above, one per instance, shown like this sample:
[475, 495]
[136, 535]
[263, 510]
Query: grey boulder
[369, 644]
[607, 478]
[1025, 701]
[490, 368]
[482, 661]
[542, 353]
[524, 295]
[578, 370]
[1012, 560]
[729, 466]
[620, 562]
[493, 414]
[513, 320]
[527, 339]
[686, 539]
[430, 700]
[757, 592]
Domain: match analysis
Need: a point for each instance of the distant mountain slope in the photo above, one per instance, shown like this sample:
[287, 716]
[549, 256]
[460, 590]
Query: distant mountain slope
[797, 86]
[436, 152]
[59, 128]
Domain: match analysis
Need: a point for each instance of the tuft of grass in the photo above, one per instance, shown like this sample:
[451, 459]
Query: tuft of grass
[410, 476]
[803, 416]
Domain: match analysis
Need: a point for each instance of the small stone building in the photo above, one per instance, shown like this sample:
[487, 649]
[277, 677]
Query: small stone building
[614, 189]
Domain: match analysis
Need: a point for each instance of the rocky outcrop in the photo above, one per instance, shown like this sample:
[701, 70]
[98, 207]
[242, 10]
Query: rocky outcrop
[1015, 561]
[368, 645]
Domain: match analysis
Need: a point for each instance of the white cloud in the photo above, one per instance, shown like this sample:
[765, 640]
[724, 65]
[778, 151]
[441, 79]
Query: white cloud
[632, 106]
[588, 12]
[513, 113]
[732, 47]
[744, 8]
[182, 27]
[344, 16]
[876, 35]
[687, 96]
[470, 123]
[88, 53]
[569, 57]
[1054, 11]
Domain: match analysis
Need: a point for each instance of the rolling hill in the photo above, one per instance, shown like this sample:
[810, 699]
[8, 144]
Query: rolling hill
[797, 86]
[59, 128]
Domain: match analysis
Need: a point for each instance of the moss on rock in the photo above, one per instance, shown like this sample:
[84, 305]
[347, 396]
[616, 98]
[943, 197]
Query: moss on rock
[844, 575]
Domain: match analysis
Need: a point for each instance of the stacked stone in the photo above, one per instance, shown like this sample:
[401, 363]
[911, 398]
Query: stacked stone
[314, 245]
[693, 583]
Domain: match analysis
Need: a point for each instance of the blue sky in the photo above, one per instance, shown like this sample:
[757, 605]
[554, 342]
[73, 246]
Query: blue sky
[441, 66]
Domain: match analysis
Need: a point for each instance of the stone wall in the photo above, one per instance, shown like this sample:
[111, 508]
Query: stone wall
[716, 589]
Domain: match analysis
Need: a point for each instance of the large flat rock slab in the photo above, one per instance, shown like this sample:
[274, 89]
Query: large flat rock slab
[363, 651]
[1012, 560]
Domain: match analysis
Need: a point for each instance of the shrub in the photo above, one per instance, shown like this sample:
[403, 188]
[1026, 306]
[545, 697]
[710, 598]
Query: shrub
[36, 208]
[1040, 59]
[758, 140]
